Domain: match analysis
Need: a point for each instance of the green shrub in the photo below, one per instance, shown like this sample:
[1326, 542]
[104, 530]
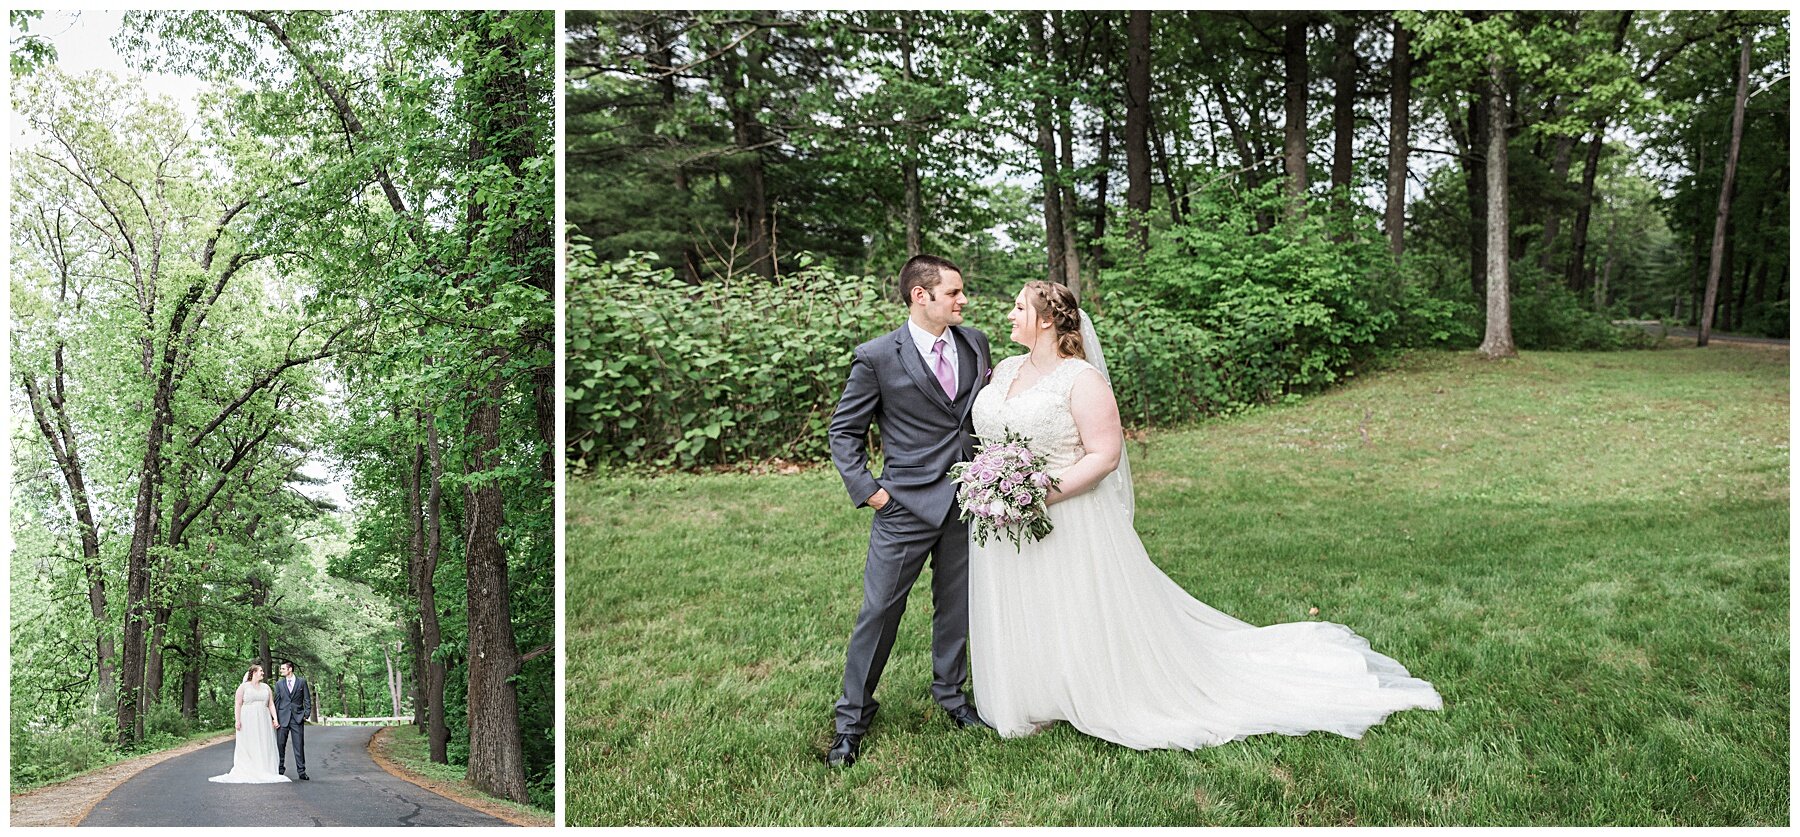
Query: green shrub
[1547, 316]
[165, 719]
[1765, 319]
[674, 375]
[45, 752]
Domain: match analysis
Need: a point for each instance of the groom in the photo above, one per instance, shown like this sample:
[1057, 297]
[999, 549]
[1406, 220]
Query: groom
[917, 384]
[293, 704]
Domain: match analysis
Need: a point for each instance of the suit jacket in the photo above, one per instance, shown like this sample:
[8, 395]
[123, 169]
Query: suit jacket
[923, 432]
[293, 705]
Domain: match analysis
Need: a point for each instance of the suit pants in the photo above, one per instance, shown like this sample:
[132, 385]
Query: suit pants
[899, 545]
[298, 727]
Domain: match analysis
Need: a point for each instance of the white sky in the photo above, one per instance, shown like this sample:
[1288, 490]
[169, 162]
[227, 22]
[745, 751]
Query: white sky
[83, 42]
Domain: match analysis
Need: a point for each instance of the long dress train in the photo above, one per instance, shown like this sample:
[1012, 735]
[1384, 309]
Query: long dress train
[1082, 627]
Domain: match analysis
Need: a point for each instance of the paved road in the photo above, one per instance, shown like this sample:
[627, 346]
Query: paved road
[347, 788]
[1694, 334]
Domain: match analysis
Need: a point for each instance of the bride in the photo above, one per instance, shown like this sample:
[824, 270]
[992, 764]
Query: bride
[253, 760]
[1082, 627]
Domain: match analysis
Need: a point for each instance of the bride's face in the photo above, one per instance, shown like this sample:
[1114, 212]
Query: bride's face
[1024, 319]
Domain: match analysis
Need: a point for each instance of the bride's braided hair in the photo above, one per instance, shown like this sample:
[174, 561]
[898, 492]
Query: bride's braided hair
[254, 668]
[1056, 305]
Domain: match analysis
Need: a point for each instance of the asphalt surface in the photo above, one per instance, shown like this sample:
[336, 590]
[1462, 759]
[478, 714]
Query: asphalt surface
[1694, 334]
[347, 789]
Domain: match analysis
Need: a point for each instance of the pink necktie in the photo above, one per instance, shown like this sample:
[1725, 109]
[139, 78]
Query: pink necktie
[945, 378]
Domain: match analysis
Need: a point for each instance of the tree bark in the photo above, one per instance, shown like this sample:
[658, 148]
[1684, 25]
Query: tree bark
[438, 730]
[1066, 128]
[1137, 127]
[1724, 213]
[1293, 58]
[1159, 148]
[1475, 181]
[1343, 108]
[496, 748]
[416, 642]
[1498, 342]
[909, 168]
[393, 682]
[193, 661]
[1046, 151]
[1399, 140]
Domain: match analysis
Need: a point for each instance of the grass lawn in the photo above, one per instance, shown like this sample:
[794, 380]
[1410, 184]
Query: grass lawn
[412, 750]
[1586, 553]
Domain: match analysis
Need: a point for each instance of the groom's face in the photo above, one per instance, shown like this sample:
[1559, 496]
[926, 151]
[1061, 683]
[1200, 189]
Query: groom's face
[943, 304]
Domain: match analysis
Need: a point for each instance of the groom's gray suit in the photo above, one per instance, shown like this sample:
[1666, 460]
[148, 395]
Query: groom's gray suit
[292, 708]
[923, 433]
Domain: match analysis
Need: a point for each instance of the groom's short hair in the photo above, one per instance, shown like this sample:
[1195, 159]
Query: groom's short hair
[923, 271]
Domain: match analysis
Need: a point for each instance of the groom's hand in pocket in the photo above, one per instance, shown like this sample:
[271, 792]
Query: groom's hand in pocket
[879, 499]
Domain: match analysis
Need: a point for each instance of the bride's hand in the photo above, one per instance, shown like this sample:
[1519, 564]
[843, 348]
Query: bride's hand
[240, 726]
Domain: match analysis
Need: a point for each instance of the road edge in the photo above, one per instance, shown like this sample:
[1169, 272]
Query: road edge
[99, 782]
[449, 791]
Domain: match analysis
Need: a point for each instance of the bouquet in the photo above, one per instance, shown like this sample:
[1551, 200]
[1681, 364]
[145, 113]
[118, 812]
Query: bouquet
[1003, 492]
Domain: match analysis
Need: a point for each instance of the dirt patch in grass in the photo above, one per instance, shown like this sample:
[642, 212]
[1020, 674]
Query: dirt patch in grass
[69, 801]
[380, 747]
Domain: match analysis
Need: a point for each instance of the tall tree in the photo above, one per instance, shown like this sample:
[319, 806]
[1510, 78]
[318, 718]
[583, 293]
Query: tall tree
[1498, 341]
[1725, 187]
[1399, 138]
[1293, 59]
[1137, 126]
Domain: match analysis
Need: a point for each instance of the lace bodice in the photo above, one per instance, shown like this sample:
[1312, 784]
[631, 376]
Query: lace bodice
[1039, 413]
[255, 692]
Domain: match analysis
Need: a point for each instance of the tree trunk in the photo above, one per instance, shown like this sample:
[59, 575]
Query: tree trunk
[438, 731]
[496, 748]
[748, 133]
[1104, 163]
[1399, 140]
[1724, 214]
[1475, 179]
[1343, 109]
[1559, 174]
[1576, 272]
[153, 664]
[416, 643]
[1498, 342]
[1066, 128]
[51, 413]
[1046, 152]
[1159, 149]
[1293, 57]
[193, 660]
[393, 682]
[909, 168]
[1137, 127]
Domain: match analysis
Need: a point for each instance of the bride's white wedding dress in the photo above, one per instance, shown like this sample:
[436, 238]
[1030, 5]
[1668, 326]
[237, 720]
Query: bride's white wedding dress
[1082, 627]
[253, 758]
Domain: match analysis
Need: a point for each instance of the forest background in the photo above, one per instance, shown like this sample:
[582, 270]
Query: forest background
[1255, 205]
[332, 263]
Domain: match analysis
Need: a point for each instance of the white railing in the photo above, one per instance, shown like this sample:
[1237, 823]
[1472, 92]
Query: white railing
[396, 719]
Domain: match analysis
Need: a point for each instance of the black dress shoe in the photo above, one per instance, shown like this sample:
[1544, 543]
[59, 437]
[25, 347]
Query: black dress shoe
[843, 750]
[966, 716]
[305, 778]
